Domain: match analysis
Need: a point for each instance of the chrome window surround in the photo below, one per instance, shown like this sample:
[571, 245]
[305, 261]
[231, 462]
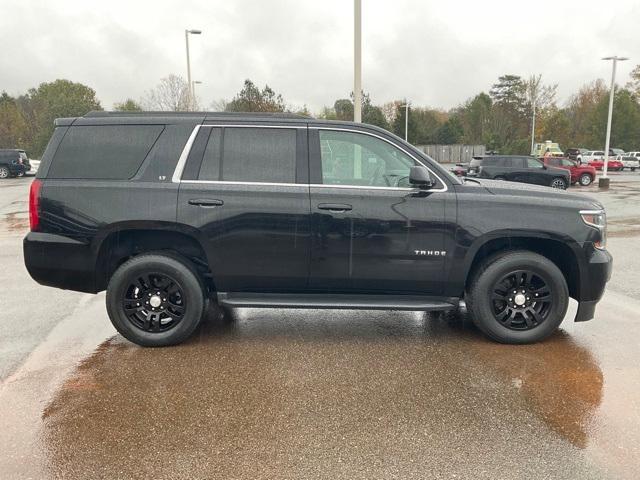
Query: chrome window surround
[182, 160]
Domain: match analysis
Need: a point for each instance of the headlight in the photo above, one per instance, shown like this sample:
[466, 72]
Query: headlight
[598, 220]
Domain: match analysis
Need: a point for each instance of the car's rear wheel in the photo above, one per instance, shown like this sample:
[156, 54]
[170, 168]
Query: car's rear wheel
[518, 297]
[560, 183]
[156, 299]
[585, 179]
[4, 172]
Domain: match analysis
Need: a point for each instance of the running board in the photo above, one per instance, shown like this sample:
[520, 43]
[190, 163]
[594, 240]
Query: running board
[337, 301]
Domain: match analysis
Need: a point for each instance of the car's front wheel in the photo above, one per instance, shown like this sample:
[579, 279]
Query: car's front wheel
[4, 172]
[518, 297]
[560, 183]
[585, 179]
[156, 299]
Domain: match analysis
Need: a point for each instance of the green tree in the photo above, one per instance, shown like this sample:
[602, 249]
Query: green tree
[61, 98]
[450, 132]
[633, 85]
[129, 105]
[13, 127]
[252, 99]
[625, 123]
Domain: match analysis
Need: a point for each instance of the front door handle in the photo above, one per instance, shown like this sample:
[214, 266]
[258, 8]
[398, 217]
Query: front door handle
[335, 207]
[206, 202]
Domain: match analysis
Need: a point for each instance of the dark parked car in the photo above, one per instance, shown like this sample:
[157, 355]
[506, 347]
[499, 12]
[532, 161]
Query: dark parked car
[13, 163]
[518, 169]
[172, 213]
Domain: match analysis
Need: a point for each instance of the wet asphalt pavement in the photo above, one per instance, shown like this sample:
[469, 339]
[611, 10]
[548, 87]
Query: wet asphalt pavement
[317, 394]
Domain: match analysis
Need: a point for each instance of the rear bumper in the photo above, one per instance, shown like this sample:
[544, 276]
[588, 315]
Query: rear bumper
[594, 278]
[61, 262]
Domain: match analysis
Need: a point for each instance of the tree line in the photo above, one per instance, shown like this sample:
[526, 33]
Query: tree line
[499, 118]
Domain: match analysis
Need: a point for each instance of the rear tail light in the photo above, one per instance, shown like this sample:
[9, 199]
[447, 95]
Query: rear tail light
[34, 204]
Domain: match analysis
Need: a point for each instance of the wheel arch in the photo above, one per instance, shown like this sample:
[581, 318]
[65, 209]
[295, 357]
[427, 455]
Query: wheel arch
[562, 251]
[120, 242]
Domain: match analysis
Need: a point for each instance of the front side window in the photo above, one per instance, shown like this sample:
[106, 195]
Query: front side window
[533, 163]
[350, 158]
[250, 155]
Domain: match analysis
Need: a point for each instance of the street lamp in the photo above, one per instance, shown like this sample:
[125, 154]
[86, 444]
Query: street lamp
[193, 89]
[357, 61]
[604, 180]
[406, 119]
[189, 85]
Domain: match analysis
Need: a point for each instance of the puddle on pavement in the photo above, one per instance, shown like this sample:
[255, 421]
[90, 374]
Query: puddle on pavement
[15, 222]
[295, 385]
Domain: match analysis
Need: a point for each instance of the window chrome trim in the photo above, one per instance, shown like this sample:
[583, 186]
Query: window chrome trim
[229, 182]
[182, 160]
[334, 129]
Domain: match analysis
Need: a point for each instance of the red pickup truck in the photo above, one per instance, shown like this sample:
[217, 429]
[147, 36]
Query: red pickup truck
[582, 174]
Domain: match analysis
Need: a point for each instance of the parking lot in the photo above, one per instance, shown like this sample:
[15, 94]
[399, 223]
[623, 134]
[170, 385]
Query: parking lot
[317, 394]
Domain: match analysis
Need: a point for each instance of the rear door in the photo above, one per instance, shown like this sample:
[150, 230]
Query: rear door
[245, 189]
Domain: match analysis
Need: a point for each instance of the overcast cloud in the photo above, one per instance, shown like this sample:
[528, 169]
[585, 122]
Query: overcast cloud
[435, 53]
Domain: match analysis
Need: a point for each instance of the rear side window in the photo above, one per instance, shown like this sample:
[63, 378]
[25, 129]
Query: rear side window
[250, 155]
[105, 152]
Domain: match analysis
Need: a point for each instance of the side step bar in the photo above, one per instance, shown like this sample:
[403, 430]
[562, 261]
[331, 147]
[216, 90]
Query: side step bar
[338, 301]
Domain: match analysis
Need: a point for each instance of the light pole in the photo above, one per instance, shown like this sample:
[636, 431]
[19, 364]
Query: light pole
[189, 84]
[406, 120]
[193, 89]
[533, 124]
[357, 61]
[604, 180]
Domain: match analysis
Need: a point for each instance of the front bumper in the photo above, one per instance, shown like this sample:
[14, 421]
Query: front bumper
[593, 279]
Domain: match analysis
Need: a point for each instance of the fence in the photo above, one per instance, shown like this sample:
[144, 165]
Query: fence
[452, 153]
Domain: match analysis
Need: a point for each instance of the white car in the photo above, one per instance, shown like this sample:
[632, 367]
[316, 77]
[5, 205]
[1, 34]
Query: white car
[592, 155]
[629, 161]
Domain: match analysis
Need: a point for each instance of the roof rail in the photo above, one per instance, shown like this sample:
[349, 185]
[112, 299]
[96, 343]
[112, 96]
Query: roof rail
[102, 113]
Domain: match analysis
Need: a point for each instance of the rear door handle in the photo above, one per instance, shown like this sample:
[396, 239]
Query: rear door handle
[335, 207]
[206, 202]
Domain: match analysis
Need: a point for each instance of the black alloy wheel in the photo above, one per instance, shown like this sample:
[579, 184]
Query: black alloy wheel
[521, 300]
[156, 299]
[154, 302]
[517, 297]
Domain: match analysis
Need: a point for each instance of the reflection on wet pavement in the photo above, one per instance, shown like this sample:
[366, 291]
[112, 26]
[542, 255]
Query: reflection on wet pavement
[301, 394]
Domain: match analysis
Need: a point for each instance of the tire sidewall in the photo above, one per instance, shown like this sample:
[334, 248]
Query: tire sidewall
[6, 172]
[564, 183]
[482, 311]
[184, 275]
[585, 175]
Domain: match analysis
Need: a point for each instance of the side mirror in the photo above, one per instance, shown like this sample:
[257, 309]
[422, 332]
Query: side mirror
[420, 177]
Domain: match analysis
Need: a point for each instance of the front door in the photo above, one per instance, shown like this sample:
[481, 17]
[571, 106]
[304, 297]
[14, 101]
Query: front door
[372, 232]
[244, 190]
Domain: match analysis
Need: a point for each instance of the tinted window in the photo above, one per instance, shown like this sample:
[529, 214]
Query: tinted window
[490, 161]
[556, 162]
[110, 152]
[533, 163]
[357, 159]
[250, 155]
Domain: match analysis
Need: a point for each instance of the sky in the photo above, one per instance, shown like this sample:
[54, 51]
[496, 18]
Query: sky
[435, 53]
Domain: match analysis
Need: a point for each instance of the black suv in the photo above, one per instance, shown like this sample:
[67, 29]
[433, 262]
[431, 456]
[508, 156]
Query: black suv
[13, 163]
[171, 213]
[518, 169]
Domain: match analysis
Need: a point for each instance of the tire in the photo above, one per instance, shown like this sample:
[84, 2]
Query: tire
[633, 169]
[163, 278]
[559, 183]
[520, 325]
[585, 180]
[4, 172]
